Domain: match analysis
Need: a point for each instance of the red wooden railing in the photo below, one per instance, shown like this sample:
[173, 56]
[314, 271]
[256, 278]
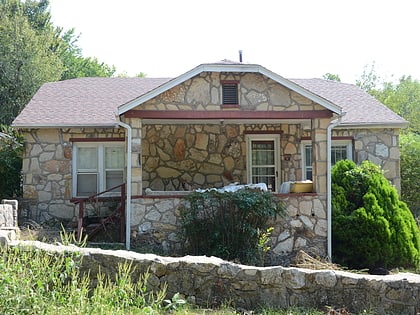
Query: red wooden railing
[118, 213]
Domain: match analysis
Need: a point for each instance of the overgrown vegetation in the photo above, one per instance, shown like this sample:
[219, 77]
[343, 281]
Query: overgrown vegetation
[11, 146]
[230, 225]
[38, 282]
[371, 227]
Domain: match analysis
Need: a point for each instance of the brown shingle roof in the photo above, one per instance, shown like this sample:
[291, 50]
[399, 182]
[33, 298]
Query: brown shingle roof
[83, 101]
[360, 108]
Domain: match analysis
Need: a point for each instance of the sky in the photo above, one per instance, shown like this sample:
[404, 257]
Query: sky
[294, 38]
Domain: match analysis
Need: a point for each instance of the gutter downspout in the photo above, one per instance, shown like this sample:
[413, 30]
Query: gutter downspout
[332, 125]
[128, 191]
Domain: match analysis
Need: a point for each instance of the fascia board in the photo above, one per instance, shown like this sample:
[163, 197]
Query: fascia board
[401, 125]
[300, 90]
[47, 126]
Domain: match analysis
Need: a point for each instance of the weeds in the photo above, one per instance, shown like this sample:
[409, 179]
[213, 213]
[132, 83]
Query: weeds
[39, 282]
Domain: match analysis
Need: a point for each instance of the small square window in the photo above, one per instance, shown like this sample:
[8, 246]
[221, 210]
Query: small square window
[230, 93]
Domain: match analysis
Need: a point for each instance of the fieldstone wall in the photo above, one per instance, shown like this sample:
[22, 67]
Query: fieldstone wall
[204, 93]
[47, 171]
[210, 281]
[187, 157]
[156, 218]
[8, 221]
[380, 146]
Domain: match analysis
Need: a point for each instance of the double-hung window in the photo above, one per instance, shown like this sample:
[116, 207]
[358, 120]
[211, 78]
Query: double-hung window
[263, 160]
[340, 150]
[97, 167]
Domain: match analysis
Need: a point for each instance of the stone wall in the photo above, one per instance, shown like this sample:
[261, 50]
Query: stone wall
[47, 170]
[186, 157]
[210, 281]
[8, 221]
[380, 146]
[157, 217]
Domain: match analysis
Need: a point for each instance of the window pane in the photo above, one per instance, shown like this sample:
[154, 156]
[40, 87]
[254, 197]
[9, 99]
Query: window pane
[263, 169]
[114, 158]
[87, 158]
[87, 184]
[114, 178]
[338, 153]
[308, 162]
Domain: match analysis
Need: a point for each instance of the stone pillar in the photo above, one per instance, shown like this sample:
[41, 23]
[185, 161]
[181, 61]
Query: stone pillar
[136, 156]
[320, 154]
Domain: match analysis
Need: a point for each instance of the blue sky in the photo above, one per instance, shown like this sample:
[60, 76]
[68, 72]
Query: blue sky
[296, 39]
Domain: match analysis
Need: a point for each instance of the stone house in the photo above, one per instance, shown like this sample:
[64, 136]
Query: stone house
[216, 124]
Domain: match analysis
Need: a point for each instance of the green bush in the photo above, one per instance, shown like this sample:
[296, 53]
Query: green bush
[410, 171]
[10, 163]
[371, 227]
[229, 225]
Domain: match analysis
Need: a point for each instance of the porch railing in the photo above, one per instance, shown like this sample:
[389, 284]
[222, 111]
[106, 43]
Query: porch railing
[119, 212]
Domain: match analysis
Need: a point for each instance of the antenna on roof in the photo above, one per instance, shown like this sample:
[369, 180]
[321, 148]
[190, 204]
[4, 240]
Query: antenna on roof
[240, 56]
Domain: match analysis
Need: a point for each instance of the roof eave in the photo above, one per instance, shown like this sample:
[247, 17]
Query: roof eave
[250, 68]
[399, 125]
[54, 126]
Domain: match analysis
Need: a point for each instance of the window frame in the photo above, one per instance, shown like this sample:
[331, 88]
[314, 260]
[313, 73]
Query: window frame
[277, 165]
[334, 143]
[101, 167]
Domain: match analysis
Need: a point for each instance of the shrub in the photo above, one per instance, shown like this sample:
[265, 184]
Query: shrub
[10, 163]
[371, 227]
[229, 225]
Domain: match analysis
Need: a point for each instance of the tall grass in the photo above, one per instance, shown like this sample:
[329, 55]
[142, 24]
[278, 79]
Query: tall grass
[38, 282]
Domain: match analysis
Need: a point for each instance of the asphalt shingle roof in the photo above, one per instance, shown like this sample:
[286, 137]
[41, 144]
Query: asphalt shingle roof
[94, 102]
[83, 101]
[360, 108]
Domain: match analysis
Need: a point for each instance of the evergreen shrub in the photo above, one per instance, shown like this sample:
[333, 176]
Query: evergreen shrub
[371, 227]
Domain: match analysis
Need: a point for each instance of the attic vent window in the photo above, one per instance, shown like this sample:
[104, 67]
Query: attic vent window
[230, 92]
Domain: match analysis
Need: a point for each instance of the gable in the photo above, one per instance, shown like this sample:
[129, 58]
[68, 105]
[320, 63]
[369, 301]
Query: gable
[204, 92]
[230, 70]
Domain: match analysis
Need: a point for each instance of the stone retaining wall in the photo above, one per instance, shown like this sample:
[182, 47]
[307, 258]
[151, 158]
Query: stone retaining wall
[212, 281]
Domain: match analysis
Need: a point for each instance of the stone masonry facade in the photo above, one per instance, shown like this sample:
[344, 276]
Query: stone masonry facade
[179, 156]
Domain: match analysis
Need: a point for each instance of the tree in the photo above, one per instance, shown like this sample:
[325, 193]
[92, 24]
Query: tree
[26, 57]
[371, 227]
[369, 79]
[33, 51]
[331, 77]
[404, 99]
[410, 171]
[75, 65]
[11, 146]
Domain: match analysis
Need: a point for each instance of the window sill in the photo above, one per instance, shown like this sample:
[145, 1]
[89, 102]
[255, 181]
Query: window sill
[230, 106]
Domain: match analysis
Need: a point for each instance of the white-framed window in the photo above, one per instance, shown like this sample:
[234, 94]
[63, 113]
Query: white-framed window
[340, 150]
[97, 166]
[263, 160]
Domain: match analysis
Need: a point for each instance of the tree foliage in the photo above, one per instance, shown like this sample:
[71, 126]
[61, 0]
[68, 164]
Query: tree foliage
[33, 51]
[404, 99]
[27, 59]
[410, 171]
[331, 77]
[11, 146]
[229, 225]
[371, 227]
